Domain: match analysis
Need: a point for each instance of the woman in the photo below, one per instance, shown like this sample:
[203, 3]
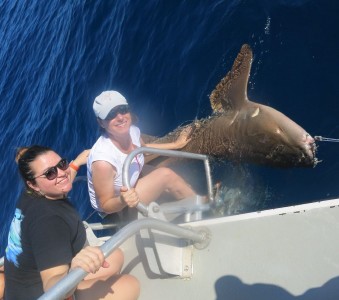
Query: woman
[47, 238]
[104, 165]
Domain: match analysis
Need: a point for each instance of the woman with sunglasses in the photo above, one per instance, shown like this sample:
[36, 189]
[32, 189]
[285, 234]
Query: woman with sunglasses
[104, 166]
[47, 238]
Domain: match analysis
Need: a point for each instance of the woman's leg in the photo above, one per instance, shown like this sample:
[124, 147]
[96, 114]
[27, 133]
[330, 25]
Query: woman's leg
[108, 284]
[116, 287]
[150, 187]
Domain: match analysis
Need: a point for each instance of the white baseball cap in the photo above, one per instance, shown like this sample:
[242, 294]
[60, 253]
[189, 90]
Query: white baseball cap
[106, 101]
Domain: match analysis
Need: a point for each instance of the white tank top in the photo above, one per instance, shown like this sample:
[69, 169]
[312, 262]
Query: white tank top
[105, 150]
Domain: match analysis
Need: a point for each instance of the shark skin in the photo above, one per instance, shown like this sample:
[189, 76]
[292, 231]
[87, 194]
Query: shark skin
[241, 130]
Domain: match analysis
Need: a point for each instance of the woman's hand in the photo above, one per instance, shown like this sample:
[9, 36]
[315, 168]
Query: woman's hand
[90, 259]
[180, 142]
[129, 196]
[183, 138]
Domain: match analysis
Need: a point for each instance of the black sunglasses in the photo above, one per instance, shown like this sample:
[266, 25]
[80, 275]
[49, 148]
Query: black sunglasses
[52, 172]
[120, 109]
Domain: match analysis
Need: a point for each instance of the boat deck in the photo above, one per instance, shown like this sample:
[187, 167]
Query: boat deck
[282, 253]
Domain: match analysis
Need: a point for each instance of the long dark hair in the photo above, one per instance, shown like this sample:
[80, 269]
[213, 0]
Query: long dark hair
[24, 156]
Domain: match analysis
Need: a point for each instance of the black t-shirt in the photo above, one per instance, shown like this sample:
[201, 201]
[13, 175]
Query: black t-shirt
[43, 234]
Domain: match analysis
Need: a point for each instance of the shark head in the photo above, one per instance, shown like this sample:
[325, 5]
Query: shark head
[269, 137]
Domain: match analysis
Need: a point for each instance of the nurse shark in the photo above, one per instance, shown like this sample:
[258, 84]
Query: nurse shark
[241, 130]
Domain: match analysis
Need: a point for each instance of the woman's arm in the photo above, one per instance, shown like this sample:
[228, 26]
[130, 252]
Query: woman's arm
[51, 276]
[180, 142]
[103, 174]
[80, 160]
[90, 259]
[2, 282]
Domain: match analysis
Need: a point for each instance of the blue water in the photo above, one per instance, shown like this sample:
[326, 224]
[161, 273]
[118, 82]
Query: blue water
[166, 57]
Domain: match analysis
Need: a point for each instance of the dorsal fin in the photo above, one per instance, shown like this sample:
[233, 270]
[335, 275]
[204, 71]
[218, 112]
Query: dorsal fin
[231, 91]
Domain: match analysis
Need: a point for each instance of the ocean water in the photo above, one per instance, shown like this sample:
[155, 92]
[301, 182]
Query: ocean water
[166, 57]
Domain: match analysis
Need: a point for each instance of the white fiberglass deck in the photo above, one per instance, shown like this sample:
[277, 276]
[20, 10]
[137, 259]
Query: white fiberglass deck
[287, 253]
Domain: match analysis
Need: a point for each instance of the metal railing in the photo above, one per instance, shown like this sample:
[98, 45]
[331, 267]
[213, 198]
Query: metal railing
[171, 153]
[70, 281]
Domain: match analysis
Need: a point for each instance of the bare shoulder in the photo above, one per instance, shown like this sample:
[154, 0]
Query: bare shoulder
[103, 166]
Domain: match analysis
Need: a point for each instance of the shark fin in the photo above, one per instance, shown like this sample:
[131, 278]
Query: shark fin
[231, 92]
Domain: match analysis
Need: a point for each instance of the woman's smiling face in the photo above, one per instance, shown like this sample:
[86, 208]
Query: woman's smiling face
[119, 125]
[52, 189]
